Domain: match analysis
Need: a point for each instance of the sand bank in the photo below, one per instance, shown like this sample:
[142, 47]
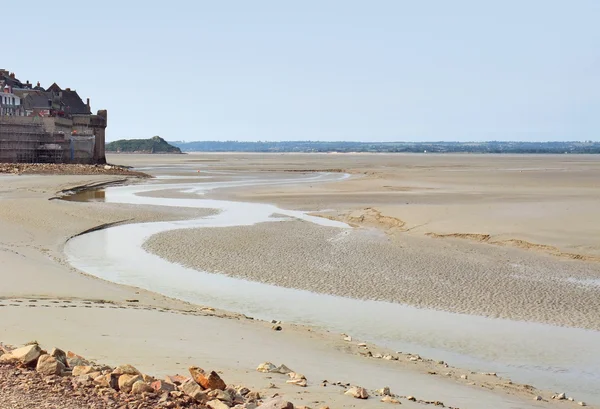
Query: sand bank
[367, 264]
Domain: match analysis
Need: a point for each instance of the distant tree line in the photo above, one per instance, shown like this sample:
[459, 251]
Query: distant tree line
[391, 147]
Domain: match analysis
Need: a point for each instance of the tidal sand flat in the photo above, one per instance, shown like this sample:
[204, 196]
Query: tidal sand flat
[368, 264]
[164, 335]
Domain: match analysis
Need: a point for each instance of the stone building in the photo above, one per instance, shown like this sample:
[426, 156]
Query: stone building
[10, 104]
[48, 125]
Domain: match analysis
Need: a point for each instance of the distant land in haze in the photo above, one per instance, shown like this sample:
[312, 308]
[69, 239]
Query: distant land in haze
[391, 147]
[155, 144]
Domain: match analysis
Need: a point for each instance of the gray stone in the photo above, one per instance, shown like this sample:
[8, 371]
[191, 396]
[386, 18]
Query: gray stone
[192, 389]
[60, 356]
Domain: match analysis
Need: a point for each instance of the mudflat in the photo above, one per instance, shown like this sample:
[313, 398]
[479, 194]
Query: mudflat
[432, 224]
[515, 237]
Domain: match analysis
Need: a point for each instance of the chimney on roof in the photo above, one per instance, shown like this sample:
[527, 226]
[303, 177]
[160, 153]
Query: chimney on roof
[88, 103]
[38, 84]
[12, 75]
[68, 89]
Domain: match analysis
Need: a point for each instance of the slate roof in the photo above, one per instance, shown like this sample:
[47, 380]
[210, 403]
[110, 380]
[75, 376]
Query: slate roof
[54, 88]
[36, 99]
[13, 82]
[73, 104]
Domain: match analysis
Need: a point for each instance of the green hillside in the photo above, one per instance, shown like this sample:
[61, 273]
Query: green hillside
[152, 145]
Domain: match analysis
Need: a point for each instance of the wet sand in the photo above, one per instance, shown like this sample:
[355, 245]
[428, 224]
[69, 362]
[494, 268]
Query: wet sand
[368, 264]
[34, 232]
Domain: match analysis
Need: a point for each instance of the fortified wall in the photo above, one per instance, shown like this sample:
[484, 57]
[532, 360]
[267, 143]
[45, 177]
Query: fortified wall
[53, 125]
[34, 139]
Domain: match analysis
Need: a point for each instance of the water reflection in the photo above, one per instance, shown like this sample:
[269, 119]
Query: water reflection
[96, 195]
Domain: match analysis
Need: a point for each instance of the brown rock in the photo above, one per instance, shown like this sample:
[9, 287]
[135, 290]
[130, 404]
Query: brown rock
[253, 396]
[82, 370]
[277, 403]
[126, 382]
[8, 359]
[389, 399]
[192, 389]
[297, 379]
[217, 404]
[163, 386]
[48, 365]
[148, 378]
[126, 370]
[176, 379]
[357, 392]
[295, 375]
[27, 355]
[298, 382]
[140, 387]
[83, 379]
[104, 381]
[207, 381]
[220, 395]
[384, 391]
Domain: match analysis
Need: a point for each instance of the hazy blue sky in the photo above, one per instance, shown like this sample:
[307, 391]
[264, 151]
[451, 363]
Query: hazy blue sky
[328, 70]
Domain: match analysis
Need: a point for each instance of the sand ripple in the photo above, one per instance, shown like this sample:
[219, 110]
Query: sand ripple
[364, 263]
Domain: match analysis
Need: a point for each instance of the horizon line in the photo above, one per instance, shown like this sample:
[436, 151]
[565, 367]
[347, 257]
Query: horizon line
[378, 142]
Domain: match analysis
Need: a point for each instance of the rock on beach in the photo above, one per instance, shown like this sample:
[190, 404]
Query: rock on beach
[210, 380]
[358, 392]
[49, 365]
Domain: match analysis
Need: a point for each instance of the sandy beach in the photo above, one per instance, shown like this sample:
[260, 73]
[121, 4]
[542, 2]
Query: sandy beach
[524, 248]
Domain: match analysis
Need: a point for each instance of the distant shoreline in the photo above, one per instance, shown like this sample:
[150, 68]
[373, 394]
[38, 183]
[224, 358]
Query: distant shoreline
[490, 147]
[145, 153]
